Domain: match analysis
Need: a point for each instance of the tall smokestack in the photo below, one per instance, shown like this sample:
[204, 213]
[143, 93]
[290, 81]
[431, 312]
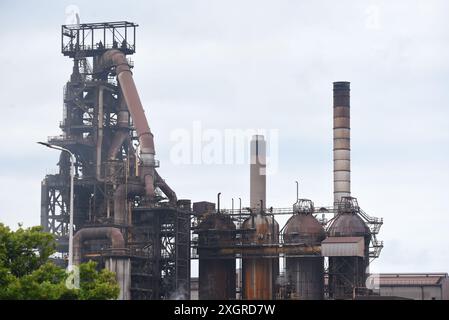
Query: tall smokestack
[342, 142]
[258, 179]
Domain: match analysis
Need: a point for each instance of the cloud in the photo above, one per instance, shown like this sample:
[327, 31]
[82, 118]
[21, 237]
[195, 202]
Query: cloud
[260, 64]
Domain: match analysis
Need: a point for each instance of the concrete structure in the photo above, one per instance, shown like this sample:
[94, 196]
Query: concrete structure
[258, 180]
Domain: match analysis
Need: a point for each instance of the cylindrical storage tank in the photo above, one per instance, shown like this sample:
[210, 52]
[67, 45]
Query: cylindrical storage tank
[305, 274]
[347, 274]
[217, 275]
[257, 273]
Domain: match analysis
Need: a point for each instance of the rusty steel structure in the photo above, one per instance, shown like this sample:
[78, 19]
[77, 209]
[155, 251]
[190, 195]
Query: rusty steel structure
[347, 274]
[128, 219]
[305, 274]
[126, 216]
[299, 241]
[217, 277]
[339, 246]
[258, 271]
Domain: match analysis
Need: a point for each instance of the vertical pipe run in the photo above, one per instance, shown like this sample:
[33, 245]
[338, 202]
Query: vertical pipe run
[128, 88]
[100, 132]
[258, 173]
[342, 142]
[72, 211]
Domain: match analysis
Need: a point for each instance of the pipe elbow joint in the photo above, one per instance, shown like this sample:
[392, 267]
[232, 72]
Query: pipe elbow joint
[148, 160]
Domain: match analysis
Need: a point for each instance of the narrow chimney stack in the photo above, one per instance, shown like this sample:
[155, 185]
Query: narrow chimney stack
[258, 179]
[342, 141]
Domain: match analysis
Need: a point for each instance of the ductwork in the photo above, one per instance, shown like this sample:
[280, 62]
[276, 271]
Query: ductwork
[171, 195]
[342, 142]
[100, 133]
[122, 133]
[117, 59]
[118, 262]
[113, 234]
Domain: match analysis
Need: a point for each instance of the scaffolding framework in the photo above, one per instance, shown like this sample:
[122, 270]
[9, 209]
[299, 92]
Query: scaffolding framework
[156, 233]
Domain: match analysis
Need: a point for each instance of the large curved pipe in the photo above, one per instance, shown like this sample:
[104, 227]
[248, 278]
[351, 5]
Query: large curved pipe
[117, 58]
[122, 133]
[113, 234]
[171, 195]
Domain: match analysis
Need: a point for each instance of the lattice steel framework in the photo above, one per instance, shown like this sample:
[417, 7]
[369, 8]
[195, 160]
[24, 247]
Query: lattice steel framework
[156, 233]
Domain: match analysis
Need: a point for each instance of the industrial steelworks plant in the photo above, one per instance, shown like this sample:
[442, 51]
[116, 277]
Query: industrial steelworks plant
[128, 219]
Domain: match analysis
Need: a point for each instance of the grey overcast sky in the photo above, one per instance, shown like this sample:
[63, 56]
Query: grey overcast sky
[259, 64]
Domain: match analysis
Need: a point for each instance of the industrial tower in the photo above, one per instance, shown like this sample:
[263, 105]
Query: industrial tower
[126, 216]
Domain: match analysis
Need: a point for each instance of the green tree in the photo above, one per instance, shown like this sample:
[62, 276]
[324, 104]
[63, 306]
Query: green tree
[26, 271]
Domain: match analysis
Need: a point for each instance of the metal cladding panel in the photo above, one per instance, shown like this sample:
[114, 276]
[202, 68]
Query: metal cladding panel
[306, 276]
[122, 269]
[217, 279]
[216, 276]
[343, 247]
[203, 207]
[445, 288]
[258, 281]
[258, 273]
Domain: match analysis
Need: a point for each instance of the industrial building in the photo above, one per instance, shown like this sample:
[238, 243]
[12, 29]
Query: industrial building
[339, 249]
[129, 220]
[413, 286]
[417, 286]
[126, 216]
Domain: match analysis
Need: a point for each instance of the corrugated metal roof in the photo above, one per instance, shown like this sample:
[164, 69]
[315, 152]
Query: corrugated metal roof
[397, 279]
[411, 279]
